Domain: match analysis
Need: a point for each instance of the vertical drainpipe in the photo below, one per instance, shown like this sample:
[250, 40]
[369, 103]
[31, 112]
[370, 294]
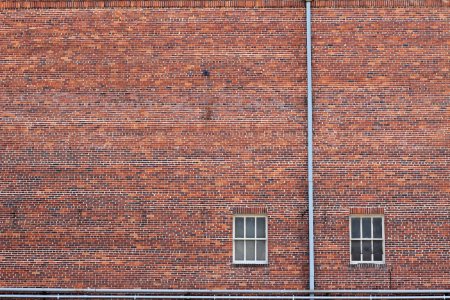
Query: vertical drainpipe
[310, 149]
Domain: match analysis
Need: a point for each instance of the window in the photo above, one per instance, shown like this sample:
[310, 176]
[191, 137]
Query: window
[250, 239]
[367, 239]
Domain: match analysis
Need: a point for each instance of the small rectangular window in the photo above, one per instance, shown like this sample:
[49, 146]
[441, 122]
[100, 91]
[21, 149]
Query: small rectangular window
[366, 239]
[250, 239]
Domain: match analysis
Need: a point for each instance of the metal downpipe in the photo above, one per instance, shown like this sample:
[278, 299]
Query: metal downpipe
[310, 147]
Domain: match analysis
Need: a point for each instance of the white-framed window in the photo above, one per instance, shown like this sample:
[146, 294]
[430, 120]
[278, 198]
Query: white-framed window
[250, 239]
[366, 239]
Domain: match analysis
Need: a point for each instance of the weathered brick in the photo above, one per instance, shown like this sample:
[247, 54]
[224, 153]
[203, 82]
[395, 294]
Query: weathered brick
[122, 164]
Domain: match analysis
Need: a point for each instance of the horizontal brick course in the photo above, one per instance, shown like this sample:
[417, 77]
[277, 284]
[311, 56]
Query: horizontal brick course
[85, 4]
[366, 210]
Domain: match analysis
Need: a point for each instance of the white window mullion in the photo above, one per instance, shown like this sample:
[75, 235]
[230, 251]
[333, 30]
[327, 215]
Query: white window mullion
[371, 241]
[361, 241]
[245, 241]
[371, 251]
[256, 239]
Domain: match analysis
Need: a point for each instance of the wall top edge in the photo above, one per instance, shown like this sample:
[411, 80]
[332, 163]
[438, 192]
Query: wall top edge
[87, 4]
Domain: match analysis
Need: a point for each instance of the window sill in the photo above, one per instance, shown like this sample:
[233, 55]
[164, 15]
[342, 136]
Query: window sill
[364, 265]
[261, 264]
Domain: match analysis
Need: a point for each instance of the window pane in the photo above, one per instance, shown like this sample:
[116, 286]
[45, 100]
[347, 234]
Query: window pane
[250, 227]
[377, 228]
[239, 250]
[356, 229]
[261, 227]
[239, 227]
[356, 250]
[367, 227]
[250, 248]
[378, 250]
[367, 250]
[261, 250]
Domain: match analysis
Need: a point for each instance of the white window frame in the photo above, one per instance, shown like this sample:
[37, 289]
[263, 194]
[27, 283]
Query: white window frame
[355, 262]
[266, 239]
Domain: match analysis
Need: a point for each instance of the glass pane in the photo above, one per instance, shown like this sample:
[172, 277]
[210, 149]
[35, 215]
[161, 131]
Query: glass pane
[356, 229]
[356, 250]
[367, 227]
[250, 248]
[377, 228]
[261, 227]
[239, 227]
[261, 250]
[250, 227]
[239, 250]
[378, 250]
[367, 250]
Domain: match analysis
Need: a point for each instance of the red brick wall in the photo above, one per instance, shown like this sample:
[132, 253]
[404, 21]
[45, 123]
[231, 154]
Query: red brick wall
[381, 136]
[122, 165]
